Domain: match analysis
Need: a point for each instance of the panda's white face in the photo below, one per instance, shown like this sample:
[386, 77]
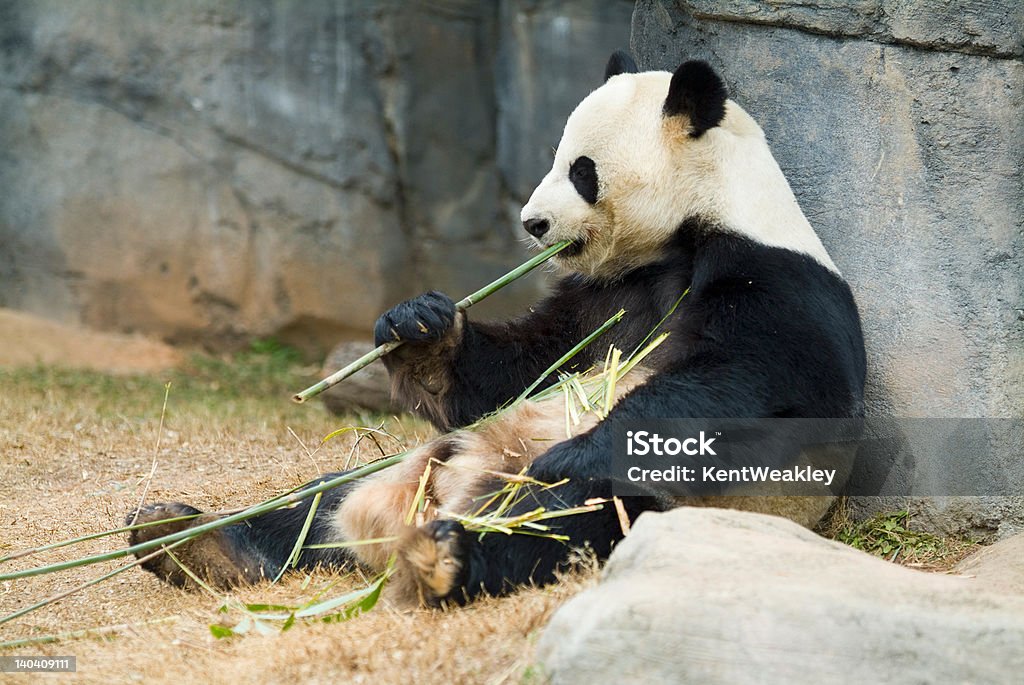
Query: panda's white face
[642, 154]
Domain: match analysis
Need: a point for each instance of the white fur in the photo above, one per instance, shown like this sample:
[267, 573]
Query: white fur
[653, 176]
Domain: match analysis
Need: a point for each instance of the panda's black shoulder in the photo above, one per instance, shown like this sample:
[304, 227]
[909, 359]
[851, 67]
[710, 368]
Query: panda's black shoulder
[791, 280]
[796, 311]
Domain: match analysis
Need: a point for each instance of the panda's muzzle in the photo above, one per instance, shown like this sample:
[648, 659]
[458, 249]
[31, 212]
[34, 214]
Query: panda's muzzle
[536, 227]
[575, 247]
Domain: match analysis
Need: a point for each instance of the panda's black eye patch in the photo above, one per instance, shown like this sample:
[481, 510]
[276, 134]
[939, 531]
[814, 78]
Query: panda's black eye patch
[583, 174]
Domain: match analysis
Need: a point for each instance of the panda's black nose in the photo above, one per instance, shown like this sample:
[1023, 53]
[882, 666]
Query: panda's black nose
[536, 227]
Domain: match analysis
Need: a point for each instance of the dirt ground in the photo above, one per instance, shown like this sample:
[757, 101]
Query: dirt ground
[76, 452]
[28, 339]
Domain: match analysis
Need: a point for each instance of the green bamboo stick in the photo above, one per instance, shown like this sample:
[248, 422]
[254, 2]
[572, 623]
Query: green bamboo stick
[466, 302]
[598, 332]
[87, 584]
[86, 632]
[195, 531]
[138, 526]
[94, 536]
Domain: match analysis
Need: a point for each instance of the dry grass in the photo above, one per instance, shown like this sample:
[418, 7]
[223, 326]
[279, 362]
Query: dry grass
[76, 451]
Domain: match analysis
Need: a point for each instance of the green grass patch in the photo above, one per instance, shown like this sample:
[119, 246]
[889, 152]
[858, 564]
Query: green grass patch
[890, 536]
[257, 382]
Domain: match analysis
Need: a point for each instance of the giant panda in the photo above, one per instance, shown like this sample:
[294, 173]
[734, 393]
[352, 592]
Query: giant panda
[663, 186]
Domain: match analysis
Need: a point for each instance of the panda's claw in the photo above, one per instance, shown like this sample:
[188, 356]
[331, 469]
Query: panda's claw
[422, 319]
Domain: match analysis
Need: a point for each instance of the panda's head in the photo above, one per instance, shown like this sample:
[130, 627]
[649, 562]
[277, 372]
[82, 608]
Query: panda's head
[647, 151]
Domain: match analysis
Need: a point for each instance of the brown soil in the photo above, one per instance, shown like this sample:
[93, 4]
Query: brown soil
[74, 460]
[28, 339]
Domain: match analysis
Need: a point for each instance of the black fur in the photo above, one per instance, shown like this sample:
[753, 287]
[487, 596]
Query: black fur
[697, 93]
[620, 63]
[779, 332]
[583, 174]
[420, 320]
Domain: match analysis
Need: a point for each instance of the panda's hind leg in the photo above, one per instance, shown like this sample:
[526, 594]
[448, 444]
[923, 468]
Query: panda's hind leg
[379, 508]
[240, 553]
[214, 557]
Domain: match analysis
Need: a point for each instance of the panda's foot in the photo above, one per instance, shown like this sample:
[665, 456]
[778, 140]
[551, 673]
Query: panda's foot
[214, 557]
[433, 563]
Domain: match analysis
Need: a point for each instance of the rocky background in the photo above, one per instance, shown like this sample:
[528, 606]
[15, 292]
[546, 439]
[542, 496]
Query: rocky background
[900, 125]
[212, 171]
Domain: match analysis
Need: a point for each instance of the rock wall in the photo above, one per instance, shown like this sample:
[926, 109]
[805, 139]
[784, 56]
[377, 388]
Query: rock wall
[215, 171]
[900, 125]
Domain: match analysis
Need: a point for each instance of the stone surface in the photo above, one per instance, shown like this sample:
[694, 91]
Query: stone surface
[900, 125]
[367, 390]
[999, 567]
[716, 596]
[981, 27]
[550, 55]
[225, 170]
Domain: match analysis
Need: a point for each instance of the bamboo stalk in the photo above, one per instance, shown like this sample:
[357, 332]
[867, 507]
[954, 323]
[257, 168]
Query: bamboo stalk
[87, 584]
[466, 302]
[598, 332]
[256, 510]
[137, 526]
[94, 536]
[87, 632]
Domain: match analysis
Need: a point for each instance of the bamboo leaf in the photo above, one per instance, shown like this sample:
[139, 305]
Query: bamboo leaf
[221, 632]
[351, 543]
[598, 332]
[293, 556]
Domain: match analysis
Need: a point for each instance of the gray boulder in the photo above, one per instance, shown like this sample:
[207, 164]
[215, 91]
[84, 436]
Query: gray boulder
[716, 596]
[998, 567]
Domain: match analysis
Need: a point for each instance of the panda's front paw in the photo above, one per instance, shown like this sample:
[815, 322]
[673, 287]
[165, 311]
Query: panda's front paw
[422, 319]
[433, 561]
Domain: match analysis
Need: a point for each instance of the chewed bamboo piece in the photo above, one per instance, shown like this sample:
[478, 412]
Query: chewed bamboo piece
[465, 303]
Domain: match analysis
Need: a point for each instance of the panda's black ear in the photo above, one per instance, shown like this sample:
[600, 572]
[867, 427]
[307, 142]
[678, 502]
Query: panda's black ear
[697, 93]
[620, 63]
